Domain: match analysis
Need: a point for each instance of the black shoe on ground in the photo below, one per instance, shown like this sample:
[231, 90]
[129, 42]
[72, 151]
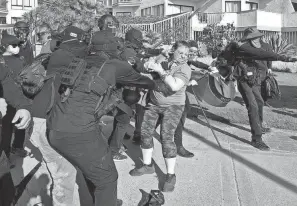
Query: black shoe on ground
[265, 130]
[127, 136]
[169, 183]
[181, 151]
[145, 169]
[260, 145]
[21, 152]
[119, 157]
[119, 202]
[136, 140]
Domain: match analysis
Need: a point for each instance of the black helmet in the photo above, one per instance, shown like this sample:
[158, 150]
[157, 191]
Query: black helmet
[134, 36]
[21, 29]
[108, 22]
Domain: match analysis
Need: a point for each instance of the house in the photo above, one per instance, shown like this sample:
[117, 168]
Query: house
[12, 11]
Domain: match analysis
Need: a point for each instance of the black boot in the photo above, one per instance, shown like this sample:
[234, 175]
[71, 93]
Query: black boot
[181, 151]
[259, 144]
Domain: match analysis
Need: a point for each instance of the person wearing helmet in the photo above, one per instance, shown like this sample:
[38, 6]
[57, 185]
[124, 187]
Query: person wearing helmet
[15, 63]
[12, 96]
[22, 30]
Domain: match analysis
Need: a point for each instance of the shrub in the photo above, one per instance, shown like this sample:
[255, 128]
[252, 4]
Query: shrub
[288, 67]
[214, 33]
[280, 45]
[138, 19]
[202, 49]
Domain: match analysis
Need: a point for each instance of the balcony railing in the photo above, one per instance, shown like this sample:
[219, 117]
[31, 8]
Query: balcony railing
[127, 2]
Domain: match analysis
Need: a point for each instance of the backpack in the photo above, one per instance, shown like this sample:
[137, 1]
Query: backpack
[246, 71]
[270, 88]
[32, 77]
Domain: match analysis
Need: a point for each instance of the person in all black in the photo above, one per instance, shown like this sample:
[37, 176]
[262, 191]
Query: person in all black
[130, 53]
[73, 123]
[15, 98]
[250, 70]
[15, 63]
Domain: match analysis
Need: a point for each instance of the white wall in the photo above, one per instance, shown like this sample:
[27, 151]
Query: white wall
[17, 12]
[150, 3]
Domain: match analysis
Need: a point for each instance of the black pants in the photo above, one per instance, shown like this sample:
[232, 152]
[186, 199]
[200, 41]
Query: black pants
[90, 153]
[7, 130]
[7, 190]
[254, 103]
[178, 135]
[120, 126]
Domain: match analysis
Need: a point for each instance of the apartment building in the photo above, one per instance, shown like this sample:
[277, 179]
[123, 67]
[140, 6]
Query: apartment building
[12, 11]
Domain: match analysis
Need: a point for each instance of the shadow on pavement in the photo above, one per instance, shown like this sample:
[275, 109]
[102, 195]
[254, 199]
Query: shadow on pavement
[288, 98]
[134, 152]
[215, 117]
[30, 181]
[292, 114]
[222, 131]
[251, 165]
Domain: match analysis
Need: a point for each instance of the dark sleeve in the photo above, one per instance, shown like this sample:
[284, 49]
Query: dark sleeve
[268, 48]
[127, 76]
[139, 66]
[198, 64]
[154, 52]
[248, 52]
[12, 93]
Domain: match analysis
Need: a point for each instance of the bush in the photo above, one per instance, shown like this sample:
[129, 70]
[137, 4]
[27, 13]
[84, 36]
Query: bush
[287, 67]
[138, 19]
[280, 45]
[202, 49]
[214, 33]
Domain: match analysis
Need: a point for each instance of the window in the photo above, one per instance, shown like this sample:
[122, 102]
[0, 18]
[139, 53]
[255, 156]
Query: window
[233, 6]
[252, 5]
[19, 3]
[146, 11]
[176, 9]
[123, 14]
[158, 10]
[295, 6]
[28, 3]
[15, 20]
[2, 20]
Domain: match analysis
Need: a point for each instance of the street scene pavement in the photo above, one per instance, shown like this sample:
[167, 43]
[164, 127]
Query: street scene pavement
[234, 174]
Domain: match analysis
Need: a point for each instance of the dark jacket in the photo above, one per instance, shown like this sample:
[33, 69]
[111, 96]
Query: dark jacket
[27, 52]
[42, 101]
[15, 63]
[11, 92]
[77, 113]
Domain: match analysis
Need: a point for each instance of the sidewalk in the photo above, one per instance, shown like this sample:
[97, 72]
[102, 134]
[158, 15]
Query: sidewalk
[236, 174]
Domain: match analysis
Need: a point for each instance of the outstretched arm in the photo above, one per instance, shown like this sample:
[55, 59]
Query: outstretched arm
[246, 51]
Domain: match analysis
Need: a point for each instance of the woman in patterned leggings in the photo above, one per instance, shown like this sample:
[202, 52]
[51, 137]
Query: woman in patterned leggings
[170, 108]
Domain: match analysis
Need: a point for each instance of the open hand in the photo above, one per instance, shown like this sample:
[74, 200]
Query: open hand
[24, 116]
[3, 107]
